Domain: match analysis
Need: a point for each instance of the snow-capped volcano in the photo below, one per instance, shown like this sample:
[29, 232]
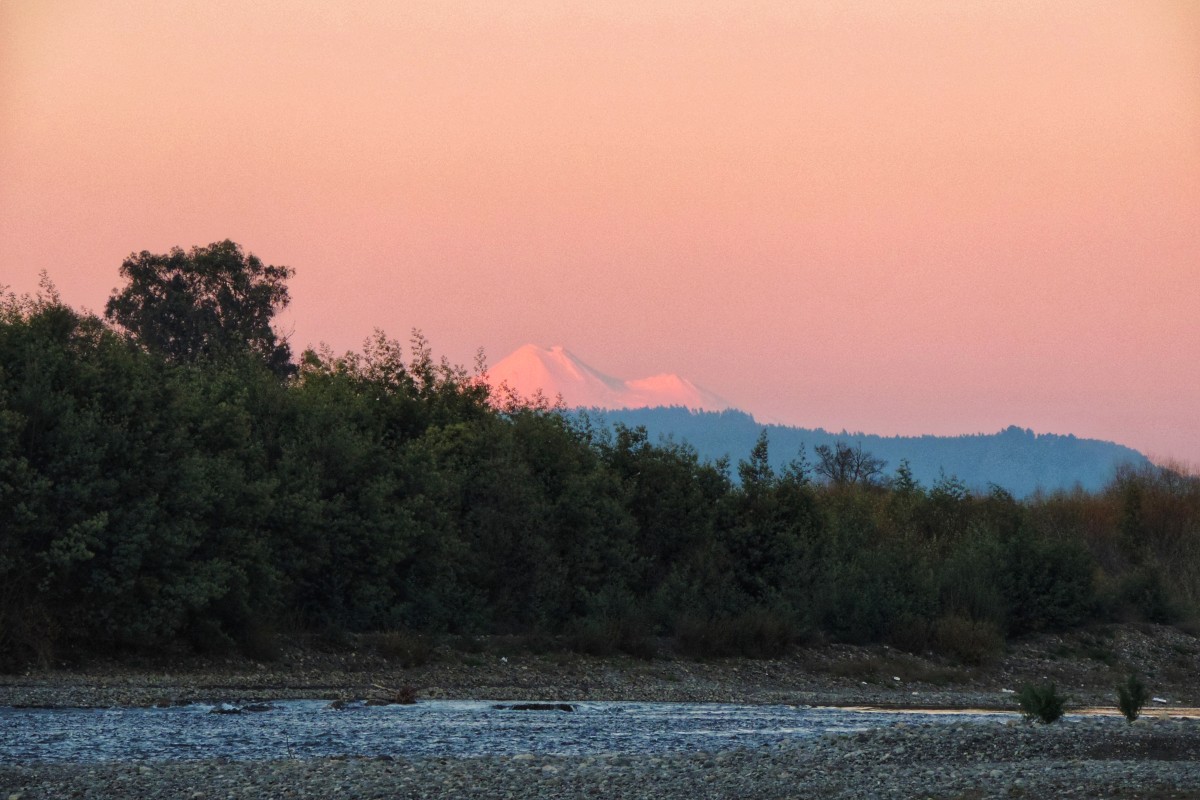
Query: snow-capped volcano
[555, 371]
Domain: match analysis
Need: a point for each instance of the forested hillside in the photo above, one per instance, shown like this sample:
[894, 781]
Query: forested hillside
[169, 486]
[1016, 459]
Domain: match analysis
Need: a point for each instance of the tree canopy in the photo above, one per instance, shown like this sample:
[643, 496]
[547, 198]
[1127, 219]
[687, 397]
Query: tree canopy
[203, 304]
[152, 499]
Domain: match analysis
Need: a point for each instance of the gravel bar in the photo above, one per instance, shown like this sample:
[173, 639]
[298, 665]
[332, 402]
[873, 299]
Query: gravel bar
[1079, 757]
[1082, 756]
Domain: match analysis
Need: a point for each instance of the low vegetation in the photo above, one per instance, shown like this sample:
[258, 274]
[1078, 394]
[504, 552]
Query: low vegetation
[160, 494]
[1131, 696]
[1041, 702]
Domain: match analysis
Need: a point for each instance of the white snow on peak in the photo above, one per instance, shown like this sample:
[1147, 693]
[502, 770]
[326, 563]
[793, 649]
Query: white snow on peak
[556, 371]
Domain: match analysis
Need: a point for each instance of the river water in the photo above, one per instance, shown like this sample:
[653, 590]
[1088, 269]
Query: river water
[311, 728]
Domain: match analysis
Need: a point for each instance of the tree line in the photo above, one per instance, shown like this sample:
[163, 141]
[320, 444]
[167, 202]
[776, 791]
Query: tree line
[170, 477]
[1017, 459]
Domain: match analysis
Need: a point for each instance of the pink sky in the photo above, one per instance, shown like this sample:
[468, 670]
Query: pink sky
[934, 217]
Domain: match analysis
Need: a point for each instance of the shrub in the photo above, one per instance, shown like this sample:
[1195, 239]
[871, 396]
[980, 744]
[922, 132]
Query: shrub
[406, 649]
[1043, 702]
[1143, 595]
[465, 643]
[1049, 584]
[260, 643]
[331, 639]
[604, 637]
[207, 638]
[28, 635]
[1131, 696]
[966, 640]
[753, 634]
[910, 633]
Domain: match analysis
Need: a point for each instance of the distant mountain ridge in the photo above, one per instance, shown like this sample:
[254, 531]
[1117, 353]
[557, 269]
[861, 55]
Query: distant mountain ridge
[1016, 459]
[668, 405]
[556, 371]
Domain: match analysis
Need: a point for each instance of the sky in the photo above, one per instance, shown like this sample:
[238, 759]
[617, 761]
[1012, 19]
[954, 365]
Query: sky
[898, 218]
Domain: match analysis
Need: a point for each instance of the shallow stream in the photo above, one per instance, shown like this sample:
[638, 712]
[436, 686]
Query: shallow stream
[311, 728]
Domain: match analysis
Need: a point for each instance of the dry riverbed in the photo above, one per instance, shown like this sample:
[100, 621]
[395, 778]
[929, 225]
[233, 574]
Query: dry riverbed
[1081, 756]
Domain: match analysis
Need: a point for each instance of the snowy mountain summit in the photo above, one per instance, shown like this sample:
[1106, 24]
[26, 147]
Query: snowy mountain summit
[556, 371]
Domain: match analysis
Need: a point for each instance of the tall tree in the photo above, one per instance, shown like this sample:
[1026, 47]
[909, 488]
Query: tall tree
[843, 465]
[205, 303]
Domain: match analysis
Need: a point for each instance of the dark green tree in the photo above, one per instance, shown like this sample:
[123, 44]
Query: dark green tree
[764, 537]
[203, 304]
[1132, 527]
[130, 490]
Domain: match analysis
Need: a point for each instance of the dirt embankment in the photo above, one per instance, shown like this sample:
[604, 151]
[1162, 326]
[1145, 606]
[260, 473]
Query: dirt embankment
[1085, 665]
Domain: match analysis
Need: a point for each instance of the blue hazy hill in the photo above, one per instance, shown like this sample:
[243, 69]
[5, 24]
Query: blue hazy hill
[1017, 459]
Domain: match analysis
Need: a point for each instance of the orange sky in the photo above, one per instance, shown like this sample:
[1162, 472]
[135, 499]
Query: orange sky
[934, 217]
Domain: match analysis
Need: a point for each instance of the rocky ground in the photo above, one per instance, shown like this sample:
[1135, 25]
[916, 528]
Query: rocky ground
[1081, 756]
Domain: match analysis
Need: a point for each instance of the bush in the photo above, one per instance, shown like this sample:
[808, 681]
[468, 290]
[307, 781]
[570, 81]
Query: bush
[604, 637]
[208, 638]
[910, 633]
[966, 640]
[1043, 702]
[1049, 584]
[260, 643]
[753, 634]
[1142, 595]
[28, 635]
[406, 649]
[332, 639]
[1131, 696]
[465, 643]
